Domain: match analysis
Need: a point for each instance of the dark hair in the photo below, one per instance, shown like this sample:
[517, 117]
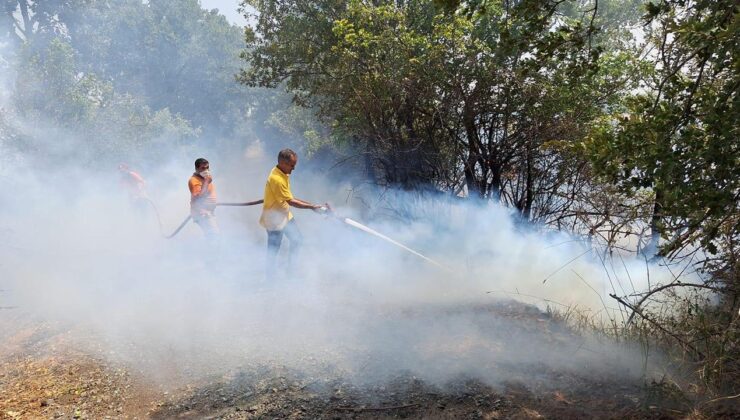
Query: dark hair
[285, 155]
[200, 161]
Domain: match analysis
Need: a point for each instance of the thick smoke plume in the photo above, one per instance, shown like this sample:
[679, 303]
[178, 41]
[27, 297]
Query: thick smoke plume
[76, 252]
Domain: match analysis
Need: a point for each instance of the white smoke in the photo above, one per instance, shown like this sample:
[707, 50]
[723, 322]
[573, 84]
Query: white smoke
[77, 253]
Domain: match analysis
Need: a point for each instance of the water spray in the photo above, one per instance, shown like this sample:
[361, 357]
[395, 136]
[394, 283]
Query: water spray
[357, 225]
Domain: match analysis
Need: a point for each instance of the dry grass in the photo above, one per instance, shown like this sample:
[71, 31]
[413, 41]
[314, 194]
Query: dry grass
[696, 331]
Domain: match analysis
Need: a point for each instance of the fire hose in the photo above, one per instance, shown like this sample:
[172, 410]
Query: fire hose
[187, 219]
[346, 220]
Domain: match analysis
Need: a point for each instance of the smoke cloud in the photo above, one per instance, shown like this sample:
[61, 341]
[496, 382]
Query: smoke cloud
[78, 253]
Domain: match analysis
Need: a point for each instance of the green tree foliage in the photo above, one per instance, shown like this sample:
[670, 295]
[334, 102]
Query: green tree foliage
[24, 20]
[166, 53]
[128, 75]
[171, 54]
[62, 102]
[678, 135]
[486, 99]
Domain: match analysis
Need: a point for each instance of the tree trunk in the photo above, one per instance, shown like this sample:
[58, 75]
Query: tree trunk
[27, 29]
[10, 24]
[495, 186]
[475, 185]
[651, 249]
[529, 189]
[474, 189]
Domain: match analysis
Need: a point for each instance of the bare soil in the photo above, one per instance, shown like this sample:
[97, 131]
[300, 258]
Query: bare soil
[46, 373]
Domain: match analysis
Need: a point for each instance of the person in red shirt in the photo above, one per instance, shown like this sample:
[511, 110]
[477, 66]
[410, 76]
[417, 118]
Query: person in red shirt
[203, 198]
[134, 185]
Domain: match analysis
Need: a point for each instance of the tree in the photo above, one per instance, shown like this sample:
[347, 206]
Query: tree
[169, 53]
[100, 125]
[482, 100]
[678, 136]
[24, 19]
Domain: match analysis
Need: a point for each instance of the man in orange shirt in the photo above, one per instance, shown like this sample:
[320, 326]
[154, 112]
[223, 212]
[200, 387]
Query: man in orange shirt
[203, 198]
[276, 217]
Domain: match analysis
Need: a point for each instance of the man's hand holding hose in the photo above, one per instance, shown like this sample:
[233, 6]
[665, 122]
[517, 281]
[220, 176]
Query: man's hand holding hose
[300, 204]
[323, 209]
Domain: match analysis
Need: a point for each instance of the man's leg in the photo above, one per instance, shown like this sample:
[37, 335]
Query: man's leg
[296, 240]
[208, 224]
[274, 238]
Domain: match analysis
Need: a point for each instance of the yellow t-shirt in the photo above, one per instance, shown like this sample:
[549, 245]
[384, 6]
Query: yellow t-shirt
[276, 210]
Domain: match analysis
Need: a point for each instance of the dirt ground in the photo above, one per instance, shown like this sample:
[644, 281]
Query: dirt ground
[46, 373]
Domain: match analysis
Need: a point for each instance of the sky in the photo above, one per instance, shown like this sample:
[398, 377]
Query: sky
[226, 8]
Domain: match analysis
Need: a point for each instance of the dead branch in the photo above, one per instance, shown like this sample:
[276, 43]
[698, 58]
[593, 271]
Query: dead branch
[730, 397]
[657, 325]
[668, 286]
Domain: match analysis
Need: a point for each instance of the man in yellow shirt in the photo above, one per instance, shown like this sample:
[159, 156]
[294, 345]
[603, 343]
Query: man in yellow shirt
[203, 198]
[276, 217]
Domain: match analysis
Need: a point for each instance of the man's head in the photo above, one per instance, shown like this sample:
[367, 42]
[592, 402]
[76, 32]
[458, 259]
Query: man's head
[287, 159]
[201, 165]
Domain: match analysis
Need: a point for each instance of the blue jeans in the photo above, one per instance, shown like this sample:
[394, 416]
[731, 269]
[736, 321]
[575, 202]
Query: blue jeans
[275, 238]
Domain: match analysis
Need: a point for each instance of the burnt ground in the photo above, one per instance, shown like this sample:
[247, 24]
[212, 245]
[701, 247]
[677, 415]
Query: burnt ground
[45, 372]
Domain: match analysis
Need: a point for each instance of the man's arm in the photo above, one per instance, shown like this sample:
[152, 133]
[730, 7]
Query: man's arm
[201, 190]
[283, 191]
[140, 183]
[306, 205]
[137, 178]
